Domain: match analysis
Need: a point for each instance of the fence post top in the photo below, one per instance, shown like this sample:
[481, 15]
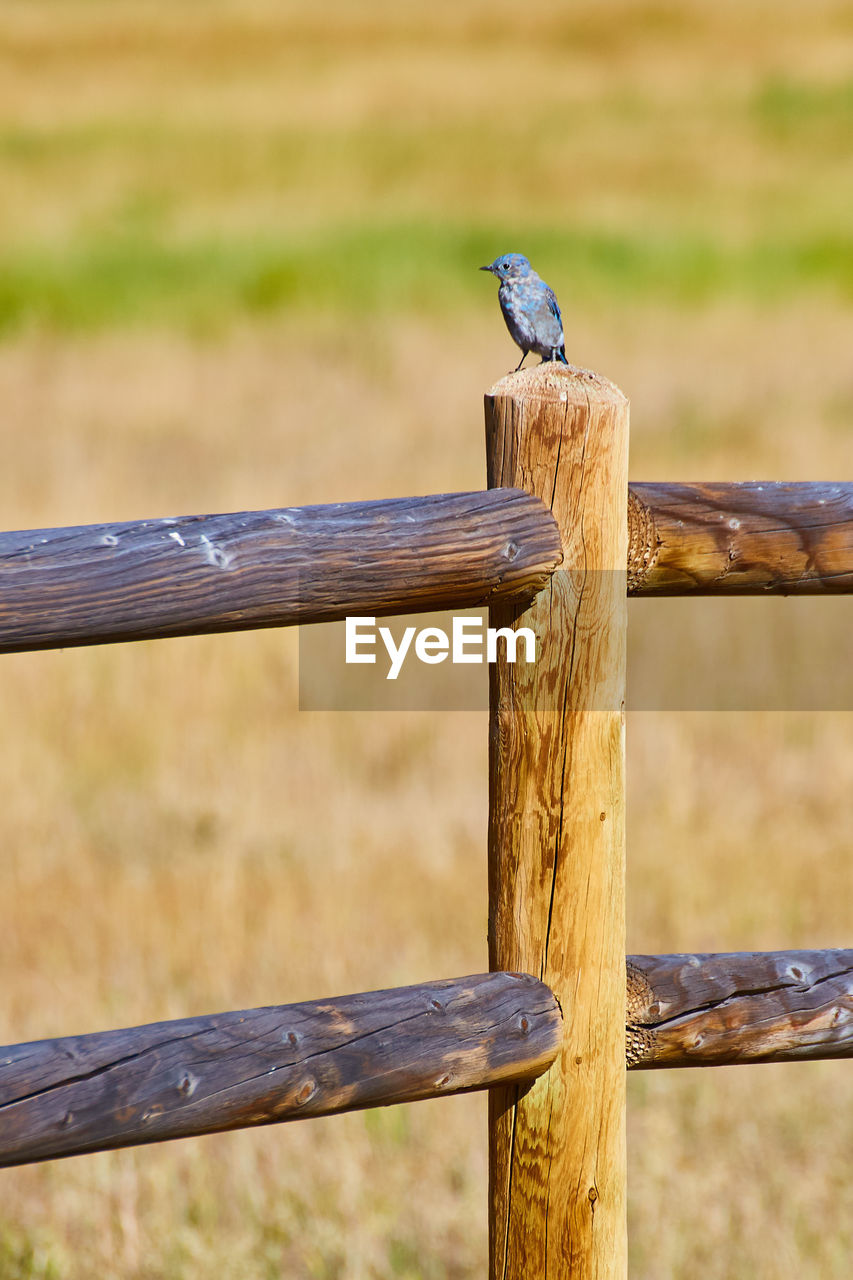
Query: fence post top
[554, 382]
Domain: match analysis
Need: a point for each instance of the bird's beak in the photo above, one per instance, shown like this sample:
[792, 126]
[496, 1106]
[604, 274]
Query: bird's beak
[487, 269]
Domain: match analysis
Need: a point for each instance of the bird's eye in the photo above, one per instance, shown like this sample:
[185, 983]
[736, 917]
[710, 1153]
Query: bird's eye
[504, 266]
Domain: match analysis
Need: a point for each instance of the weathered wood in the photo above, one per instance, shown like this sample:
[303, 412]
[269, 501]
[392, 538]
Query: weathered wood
[262, 1066]
[556, 833]
[715, 539]
[196, 574]
[99, 583]
[712, 1010]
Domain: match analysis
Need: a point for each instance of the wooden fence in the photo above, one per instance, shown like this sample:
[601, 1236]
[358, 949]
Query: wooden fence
[550, 1030]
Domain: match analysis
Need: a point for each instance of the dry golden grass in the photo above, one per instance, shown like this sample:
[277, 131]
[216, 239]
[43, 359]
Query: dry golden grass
[176, 837]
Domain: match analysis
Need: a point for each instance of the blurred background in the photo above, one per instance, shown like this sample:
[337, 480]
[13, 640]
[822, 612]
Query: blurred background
[238, 252]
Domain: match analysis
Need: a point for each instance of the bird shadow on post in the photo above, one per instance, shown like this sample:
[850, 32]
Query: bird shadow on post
[556, 832]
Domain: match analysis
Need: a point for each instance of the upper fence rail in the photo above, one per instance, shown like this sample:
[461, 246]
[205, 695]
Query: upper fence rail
[199, 574]
[141, 580]
[740, 539]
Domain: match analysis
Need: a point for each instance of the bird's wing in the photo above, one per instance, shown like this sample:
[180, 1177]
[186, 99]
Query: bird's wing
[553, 304]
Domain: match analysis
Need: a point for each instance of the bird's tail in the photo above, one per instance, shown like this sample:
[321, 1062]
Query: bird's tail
[560, 354]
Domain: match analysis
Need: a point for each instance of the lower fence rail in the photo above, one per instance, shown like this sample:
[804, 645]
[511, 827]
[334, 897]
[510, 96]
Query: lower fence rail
[748, 1006]
[179, 1079]
[261, 1066]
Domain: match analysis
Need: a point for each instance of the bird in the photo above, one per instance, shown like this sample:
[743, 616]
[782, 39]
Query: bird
[530, 308]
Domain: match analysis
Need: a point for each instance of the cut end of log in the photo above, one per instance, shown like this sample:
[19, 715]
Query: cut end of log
[553, 381]
[639, 1040]
[643, 542]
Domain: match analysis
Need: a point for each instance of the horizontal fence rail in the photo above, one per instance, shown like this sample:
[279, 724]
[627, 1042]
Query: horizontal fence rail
[199, 574]
[714, 1010]
[192, 575]
[740, 539]
[262, 1066]
[179, 1079]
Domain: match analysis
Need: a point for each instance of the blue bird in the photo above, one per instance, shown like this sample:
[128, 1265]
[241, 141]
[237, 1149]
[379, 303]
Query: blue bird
[529, 307]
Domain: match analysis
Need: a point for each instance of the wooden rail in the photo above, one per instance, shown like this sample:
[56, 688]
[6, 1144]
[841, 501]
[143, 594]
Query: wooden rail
[740, 539]
[147, 1084]
[712, 1010]
[261, 1066]
[197, 574]
[265, 1066]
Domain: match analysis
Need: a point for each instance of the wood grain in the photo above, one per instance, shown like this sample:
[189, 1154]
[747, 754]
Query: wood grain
[556, 833]
[740, 539]
[714, 1010]
[262, 1066]
[197, 574]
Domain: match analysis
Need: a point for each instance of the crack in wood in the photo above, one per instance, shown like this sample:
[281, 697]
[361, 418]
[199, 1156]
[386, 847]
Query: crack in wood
[100, 1070]
[747, 1007]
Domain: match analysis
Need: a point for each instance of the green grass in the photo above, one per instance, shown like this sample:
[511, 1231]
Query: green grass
[160, 170]
[793, 110]
[22, 1259]
[139, 278]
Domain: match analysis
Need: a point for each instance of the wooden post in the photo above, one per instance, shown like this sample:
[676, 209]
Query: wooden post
[556, 833]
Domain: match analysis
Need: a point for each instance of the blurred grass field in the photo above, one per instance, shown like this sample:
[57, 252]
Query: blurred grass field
[238, 245]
